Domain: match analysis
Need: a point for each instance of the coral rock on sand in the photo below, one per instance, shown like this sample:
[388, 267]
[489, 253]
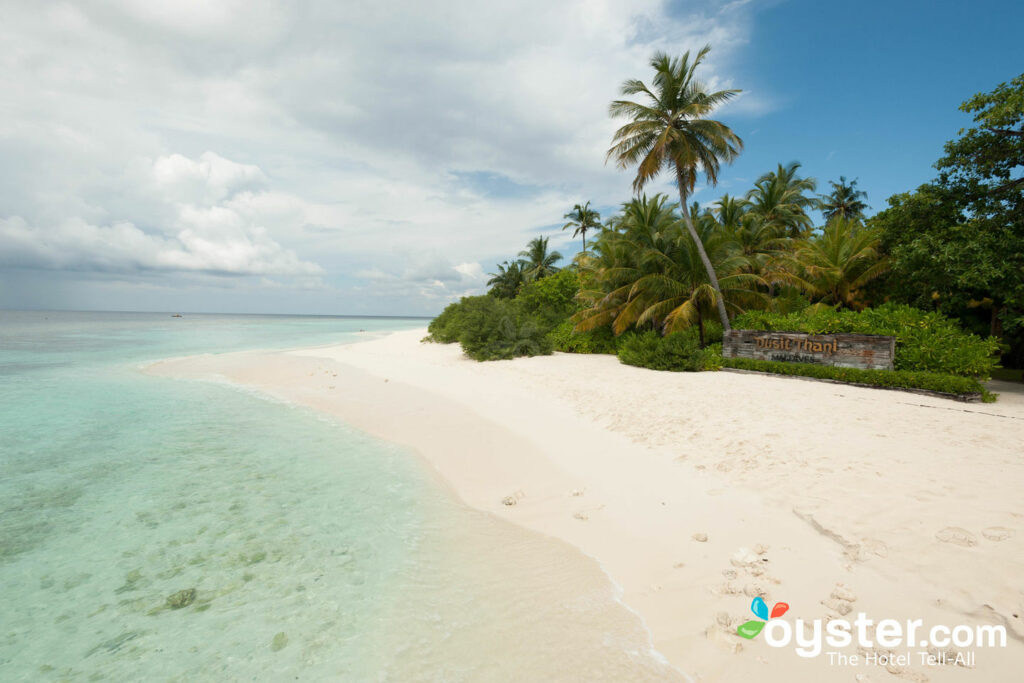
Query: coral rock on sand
[744, 558]
[182, 598]
[700, 537]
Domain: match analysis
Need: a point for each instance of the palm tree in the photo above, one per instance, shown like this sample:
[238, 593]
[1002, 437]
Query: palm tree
[670, 130]
[581, 219]
[834, 266]
[730, 211]
[844, 201]
[506, 282]
[539, 262]
[650, 272]
[778, 198]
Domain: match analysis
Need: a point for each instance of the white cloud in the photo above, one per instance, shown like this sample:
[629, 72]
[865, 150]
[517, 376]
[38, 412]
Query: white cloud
[384, 149]
[123, 247]
[208, 179]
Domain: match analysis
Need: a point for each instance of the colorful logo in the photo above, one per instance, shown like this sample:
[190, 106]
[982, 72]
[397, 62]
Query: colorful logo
[751, 628]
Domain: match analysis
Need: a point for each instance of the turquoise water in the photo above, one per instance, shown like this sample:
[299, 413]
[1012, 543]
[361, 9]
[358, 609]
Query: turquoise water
[156, 529]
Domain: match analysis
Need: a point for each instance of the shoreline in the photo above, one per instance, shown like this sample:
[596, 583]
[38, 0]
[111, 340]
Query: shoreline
[585, 455]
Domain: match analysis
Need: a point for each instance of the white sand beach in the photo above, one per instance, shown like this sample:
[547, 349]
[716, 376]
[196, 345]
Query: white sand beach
[698, 491]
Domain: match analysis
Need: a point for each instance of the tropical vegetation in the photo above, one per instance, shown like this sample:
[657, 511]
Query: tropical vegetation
[659, 281]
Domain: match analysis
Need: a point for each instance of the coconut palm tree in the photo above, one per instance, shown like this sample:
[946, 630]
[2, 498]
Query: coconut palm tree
[844, 201]
[834, 266]
[730, 211]
[670, 129]
[505, 284]
[779, 199]
[650, 272]
[581, 219]
[616, 264]
[538, 261]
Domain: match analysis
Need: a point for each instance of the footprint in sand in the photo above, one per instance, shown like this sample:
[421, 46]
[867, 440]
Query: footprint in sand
[840, 600]
[957, 536]
[997, 533]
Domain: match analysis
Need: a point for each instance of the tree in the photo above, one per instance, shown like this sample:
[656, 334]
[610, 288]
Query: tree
[671, 130]
[779, 199]
[959, 241]
[538, 261]
[505, 284]
[945, 257]
[834, 267]
[991, 154]
[730, 211]
[581, 219]
[651, 274]
[844, 201]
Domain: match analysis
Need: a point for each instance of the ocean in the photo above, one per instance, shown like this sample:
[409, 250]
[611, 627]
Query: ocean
[160, 529]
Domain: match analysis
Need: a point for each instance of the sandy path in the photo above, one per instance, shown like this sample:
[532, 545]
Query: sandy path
[833, 499]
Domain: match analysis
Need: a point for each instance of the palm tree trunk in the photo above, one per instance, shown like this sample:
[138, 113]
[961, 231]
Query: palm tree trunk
[996, 323]
[719, 301]
[584, 234]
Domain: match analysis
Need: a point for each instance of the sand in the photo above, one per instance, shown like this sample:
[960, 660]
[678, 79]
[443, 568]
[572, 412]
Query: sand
[698, 491]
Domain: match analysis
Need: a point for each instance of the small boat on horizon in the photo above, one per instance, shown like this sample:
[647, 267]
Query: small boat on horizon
[177, 315]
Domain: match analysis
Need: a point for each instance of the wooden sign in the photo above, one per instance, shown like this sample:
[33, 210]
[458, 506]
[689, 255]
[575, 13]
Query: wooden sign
[868, 351]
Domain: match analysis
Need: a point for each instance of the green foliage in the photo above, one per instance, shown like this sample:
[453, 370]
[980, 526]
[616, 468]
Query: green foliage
[780, 199]
[647, 271]
[600, 340]
[991, 153]
[942, 258]
[925, 341]
[713, 357]
[907, 379]
[551, 299]
[446, 328]
[509, 279]
[835, 266]
[844, 201]
[581, 219]
[677, 352]
[537, 262]
[491, 328]
[957, 243]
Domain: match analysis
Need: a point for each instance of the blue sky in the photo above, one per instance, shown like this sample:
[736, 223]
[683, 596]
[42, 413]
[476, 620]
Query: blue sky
[868, 90]
[380, 156]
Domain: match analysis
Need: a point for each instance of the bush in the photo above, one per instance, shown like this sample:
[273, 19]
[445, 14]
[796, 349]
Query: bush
[446, 327]
[925, 341]
[551, 299]
[494, 329]
[678, 351]
[489, 328]
[908, 379]
[600, 340]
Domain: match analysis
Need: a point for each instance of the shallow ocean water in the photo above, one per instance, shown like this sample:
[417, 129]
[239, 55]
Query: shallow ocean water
[156, 529]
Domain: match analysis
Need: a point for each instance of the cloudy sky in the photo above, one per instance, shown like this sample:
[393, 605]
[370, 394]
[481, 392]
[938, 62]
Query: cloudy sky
[380, 156]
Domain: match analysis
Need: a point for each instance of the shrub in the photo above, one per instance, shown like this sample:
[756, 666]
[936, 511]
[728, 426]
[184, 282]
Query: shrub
[493, 329]
[550, 299]
[446, 327]
[600, 340]
[490, 327]
[713, 357]
[908, 379]
[925, 341]
[678, 351]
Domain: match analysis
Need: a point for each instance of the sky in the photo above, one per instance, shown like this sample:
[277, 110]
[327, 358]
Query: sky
[380, 157]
